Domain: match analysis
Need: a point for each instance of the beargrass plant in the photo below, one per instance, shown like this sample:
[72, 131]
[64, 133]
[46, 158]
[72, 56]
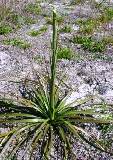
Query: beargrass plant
[45, 122]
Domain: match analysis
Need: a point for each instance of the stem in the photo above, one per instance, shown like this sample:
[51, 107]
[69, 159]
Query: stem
[53, 64]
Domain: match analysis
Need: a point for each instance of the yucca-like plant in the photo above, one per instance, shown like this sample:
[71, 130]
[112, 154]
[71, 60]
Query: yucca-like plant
[45, 123]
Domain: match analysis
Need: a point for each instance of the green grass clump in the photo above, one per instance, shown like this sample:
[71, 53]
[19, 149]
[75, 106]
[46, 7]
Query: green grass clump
[75, 2]
[29, 20]
[15, 19]
[33, 8]
[65, 53]
[106, 16]
[88, 26]
[4, 12]
[66, 29]
[90, 44]
[17, 42]
[35, 33]
[5, 29]
[108, 40]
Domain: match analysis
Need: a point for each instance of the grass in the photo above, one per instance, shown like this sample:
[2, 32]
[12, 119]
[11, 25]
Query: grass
[33, 8]
[75, 2]
[65, 53]
[4, 12]
[17, 42]
[106, 16]
[5, 29]
[35, 33]
[30, 20]
[102, 57]
[108, 40]
[89, 25]
[87, 43]
[65, 29]
[12, 20]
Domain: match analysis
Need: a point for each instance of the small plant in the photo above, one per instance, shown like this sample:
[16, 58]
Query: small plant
[108, 40]
[29, 20]
[49, 122]
[4, 12]
[102, 57]
[5, 29]
[88, 26]
[65, 53]
[33, 8]
[87, 43]
[66, 29]
[75, 2]
[106, 16]
[17, 42]
[35, 33]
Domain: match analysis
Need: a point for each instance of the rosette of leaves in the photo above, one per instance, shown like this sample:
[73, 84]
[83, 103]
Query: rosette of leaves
[44, 121]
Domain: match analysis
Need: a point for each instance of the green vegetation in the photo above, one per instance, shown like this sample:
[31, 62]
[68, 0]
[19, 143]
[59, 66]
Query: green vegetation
[108, 40]
[30, 20]
[4, 12]
[17, 42]
[65, 53]
[89, 25]
[75, 2]
[87, 43]
[66, 29]
[11, 20]
[33, 8]
[102, 57]
[5, 29]
[107, 15]
[35, 33]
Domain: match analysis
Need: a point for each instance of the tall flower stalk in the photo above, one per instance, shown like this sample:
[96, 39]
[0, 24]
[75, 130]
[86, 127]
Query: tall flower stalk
[53, 65]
